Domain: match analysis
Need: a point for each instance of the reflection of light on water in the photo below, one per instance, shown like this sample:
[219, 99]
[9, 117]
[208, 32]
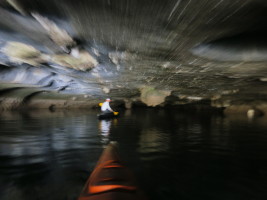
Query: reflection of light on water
[153, 141]
[24, 145]
[195, 128]
[127, 113]
[42, 133]
[104, 127]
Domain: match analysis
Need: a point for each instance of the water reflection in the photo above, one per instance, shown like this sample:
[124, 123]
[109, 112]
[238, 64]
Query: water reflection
[105, 129]
[31, 134]
[153, 140]
[46, 155]
[174, 155]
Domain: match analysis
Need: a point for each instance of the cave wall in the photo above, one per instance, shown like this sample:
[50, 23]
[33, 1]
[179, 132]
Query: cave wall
[185, 49]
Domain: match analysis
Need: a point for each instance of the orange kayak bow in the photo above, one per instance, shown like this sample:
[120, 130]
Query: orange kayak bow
[111, 180]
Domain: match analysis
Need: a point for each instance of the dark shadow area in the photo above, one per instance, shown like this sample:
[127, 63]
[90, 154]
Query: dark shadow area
[250, 46]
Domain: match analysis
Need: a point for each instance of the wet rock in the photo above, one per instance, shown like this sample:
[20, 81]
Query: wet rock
[254, 112]
[128, 104]
[237, 109]
[245, 110]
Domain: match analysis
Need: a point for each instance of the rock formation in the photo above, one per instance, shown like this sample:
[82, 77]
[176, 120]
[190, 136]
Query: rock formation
[156, 52]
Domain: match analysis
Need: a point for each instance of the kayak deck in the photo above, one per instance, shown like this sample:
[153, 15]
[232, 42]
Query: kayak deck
[111, 180]
[107, 115]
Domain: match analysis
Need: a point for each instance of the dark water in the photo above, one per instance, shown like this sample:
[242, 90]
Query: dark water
[174, 155]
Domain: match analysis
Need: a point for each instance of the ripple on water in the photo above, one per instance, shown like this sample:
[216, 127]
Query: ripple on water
[174, 155]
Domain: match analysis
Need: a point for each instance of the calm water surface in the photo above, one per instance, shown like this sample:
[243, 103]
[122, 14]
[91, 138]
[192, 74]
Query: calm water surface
[174, 155]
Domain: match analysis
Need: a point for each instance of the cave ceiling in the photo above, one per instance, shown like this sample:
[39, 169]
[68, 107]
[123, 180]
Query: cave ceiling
[129, 49]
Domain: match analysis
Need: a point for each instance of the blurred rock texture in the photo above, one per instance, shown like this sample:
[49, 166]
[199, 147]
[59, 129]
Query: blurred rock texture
[148, 51]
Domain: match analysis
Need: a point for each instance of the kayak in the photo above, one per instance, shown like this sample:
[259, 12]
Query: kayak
[111, 180]
[108, 115]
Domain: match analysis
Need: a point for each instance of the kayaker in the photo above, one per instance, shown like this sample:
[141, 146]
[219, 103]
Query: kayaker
[105, 108]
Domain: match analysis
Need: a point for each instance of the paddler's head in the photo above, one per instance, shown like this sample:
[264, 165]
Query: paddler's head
[108, 100]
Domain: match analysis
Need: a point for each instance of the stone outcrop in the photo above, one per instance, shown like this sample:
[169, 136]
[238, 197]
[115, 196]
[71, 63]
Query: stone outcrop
[22, 53]
[247, 110]
[24, 97]
[153, 97]
[58, 36]
[83, 61]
